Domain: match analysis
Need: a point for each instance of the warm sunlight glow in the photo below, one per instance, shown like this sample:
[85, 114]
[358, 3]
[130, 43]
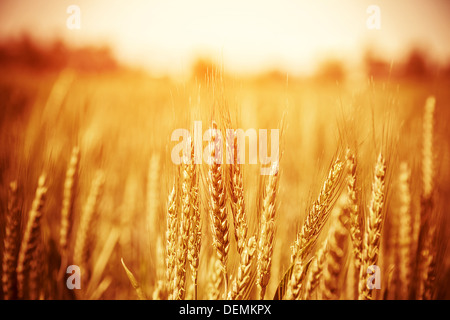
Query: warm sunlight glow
[167, 36]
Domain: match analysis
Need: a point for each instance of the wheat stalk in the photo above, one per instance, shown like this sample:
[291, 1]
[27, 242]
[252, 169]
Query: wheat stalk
[11, 244]
[30, 238]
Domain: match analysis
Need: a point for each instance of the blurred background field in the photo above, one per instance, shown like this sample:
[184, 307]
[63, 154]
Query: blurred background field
[55, 95]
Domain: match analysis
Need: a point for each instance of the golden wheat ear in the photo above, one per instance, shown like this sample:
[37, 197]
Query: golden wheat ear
[68, 199]
[267, 231]
[291, 286]
[11, 245]
[171, 240]
[195, 236]
[243, 277]
[30, 239]
[236, 191]
[405, 231]
[318, 214]
[84, 241]
[426, 255]
[352, 211]
[371, 246]
[217, 204]
[334, 261]
[315, 271]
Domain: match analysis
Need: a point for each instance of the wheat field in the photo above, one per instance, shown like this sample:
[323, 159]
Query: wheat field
[355, 208]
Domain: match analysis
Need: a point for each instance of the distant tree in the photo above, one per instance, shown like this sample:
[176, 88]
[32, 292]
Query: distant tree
[202, 68]
[416, 65]
[376, 67]
[331, 71]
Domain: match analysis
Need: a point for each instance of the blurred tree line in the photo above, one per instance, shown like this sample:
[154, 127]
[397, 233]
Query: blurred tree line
[26, 52]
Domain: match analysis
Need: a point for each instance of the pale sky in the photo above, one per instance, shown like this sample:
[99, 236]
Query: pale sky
[293, 35]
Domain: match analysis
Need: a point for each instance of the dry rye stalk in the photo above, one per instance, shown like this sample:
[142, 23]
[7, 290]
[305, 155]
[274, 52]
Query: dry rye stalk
[267, 231]
[68, 199]
[242, 280]
[84, 241]
[30, 238]
[11, 245]
[374, 224]
[217, 203]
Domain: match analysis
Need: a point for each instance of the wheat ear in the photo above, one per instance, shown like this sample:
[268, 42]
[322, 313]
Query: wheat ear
[215, 278]
[335, 256]
[11, 245]
[427, 225]
[318, 214]
[171, 240]
[315, 271]
[236, 189]
[405, 231]
[217, 203]
[267, 231]
[242, 279]
[374, 224]
[84, 240]
[352, 211]
[315, 220]
[68, 198]
[188, 169]
[195, 235]
[30, 238]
